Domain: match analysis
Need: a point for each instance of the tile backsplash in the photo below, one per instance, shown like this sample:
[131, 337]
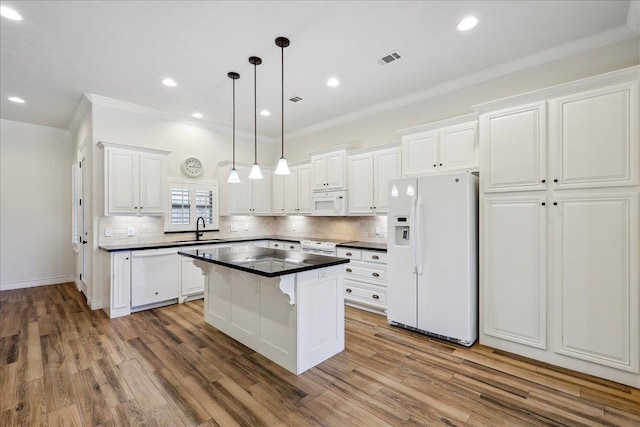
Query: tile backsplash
[151, 229]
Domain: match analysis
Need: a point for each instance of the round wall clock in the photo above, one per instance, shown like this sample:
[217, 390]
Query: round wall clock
[191, 167]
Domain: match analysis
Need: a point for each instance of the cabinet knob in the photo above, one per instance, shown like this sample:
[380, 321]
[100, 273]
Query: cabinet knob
[348, 254]
[375, 257]
[440, 164]
[374, 296]
[555, 180]
[276, 245]
[375, 274]
[348, 290]
[292, 247]
[156, 293]
[555, 203]
[348, 270]
[543, 181]
[434, 165]
[543, 203]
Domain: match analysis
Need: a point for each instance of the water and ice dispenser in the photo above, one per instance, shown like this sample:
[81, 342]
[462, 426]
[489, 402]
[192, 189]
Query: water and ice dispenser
[402, 230]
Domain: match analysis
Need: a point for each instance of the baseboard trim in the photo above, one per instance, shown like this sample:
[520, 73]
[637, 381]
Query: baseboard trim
[45, 281]
[94, 304]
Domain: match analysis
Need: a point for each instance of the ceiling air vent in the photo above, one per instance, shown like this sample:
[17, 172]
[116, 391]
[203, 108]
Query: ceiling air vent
[389, 58]
[295, 99]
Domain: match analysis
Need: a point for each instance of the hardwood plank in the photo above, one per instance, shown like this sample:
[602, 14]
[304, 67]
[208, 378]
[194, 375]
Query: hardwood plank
[9, 383]
[146, 394]
[92, 403]
[180, 397]
[129, 414]
[34, 366]
[65, 417]
[31, 409]
[111, 383]
[58, 389]
[209, 401]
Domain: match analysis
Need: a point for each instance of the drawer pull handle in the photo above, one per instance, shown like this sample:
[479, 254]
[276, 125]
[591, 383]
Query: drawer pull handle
[156, 293]
[348, 254]
[348, 270]
[375, 274]
[375, 257]
[348, 290]
[292, 247]
[374, 296]
[276, 245]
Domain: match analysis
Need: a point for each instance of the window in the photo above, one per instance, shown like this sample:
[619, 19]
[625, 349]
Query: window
[189, 201]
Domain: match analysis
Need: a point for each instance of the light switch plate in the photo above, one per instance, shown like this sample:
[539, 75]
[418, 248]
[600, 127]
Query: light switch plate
[378, 231]
[108, 232]
[130, 231]
[233, 228]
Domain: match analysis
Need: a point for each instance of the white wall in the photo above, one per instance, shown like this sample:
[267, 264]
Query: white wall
[35, 205]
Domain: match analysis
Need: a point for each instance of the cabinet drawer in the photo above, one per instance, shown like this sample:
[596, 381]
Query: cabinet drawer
[374, 256]
[368, 295]
[359, 272]
[285, 246]
[354, 254]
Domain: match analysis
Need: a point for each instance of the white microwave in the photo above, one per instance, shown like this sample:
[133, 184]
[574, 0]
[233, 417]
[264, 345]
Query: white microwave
[329, 203]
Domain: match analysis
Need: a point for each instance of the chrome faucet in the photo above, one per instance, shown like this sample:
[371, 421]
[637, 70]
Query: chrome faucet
[204, 225]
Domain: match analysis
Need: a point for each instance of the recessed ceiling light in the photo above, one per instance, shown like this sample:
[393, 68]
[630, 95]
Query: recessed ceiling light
[169, 82]
[197, 115]
[265, 113]
[333, 82]
[467, 23]
[16, 99]
[9, 13]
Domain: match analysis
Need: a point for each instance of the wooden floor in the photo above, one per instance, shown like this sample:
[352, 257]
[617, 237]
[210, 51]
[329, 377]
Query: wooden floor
[63, 364]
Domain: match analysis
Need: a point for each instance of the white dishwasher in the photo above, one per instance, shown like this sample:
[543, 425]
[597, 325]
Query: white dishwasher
[155, 278]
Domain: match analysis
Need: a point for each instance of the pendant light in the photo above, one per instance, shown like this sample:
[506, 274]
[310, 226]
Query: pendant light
[255, 169]
[233, 175]
[283, 167]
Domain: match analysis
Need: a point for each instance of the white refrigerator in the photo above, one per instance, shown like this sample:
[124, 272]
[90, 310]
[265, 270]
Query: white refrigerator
[432, 256]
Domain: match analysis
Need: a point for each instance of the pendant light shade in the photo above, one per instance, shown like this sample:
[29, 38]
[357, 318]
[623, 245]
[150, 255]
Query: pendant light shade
[255, 169]
[283, 167]
[233, 175]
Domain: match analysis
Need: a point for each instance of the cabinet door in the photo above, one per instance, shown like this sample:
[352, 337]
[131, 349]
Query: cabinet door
[595, 278]
[278, 193]
[261, 194]
[304, 189]
[120, 282]
[513, 149]
[386, 166]
[153, 177]
[594, 136]
[123, 181]
[240, 194]
[319, 172]
[458, 148]
[191, 277]
[361, 184]
[336, 167]
[291, 192]
[419, 153]
[513, 281]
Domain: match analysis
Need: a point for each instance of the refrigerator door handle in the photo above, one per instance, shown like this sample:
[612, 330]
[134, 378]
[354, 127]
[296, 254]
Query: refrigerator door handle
[414, 241]
[418, 236]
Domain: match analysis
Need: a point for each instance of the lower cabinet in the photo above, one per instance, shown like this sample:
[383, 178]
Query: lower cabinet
[284, 245]
[365, 279]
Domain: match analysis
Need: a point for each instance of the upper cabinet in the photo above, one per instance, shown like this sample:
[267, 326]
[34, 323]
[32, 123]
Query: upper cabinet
[328, 171]
[369, 175]
[448, 145]
[249, 197]
[135, 180]
[292, 193]
[514, 148]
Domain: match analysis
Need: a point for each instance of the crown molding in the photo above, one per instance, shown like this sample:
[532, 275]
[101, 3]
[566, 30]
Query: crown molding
[559, 52]
[163, 115]
[439, 124]
[81, 110]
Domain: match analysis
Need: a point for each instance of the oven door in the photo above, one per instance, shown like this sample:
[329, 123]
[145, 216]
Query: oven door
[329, 203]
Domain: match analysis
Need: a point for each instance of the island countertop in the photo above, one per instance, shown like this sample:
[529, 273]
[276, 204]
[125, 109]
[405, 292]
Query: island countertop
[263, 261]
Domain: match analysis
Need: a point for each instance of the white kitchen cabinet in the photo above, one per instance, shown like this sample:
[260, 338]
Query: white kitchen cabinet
[369, 175]
[155, 277]
[579, 157]
[513, 251]
[117, 277]
[595, 278]
[443, 146]
[292, 193]
[592, 136]
[135, 180]
[249, 197]
[328, 171]
[365, 279]
[284, 245]
[514, 149]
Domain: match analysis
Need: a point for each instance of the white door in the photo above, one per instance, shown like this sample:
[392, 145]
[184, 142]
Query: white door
[152, 184]
[386, 167]
[513, 145]
[401, 278]
[278, 192]
[513, 256]
[419, 153]
[123, 175]
[261, 194]
[595, 278]
[336, 165]
[458, 148]
[594, 136]
[360, 169]
[319, 172]
[304, 189]
[83, 224]
[240, 194]
[290, 189]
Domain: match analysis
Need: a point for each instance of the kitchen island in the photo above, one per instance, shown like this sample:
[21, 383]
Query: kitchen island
[286, 305]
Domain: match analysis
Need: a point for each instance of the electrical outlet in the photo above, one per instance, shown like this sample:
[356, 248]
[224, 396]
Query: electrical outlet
[130, 231]
[233, 228]
[293, 227]
[108, 232]
[378, 231]
[246, 226]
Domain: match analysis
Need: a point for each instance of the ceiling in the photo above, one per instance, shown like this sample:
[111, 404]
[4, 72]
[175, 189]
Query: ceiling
[122, 50]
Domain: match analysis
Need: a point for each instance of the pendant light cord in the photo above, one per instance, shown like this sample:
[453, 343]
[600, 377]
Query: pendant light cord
[282, 113]
[255, 114]
[234, 123]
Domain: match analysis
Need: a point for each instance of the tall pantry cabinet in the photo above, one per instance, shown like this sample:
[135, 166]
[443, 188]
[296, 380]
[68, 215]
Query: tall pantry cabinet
[559, 225]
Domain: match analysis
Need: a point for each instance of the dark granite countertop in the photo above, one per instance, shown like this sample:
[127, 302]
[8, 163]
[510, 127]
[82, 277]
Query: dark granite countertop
[264, 262]
[381, 247]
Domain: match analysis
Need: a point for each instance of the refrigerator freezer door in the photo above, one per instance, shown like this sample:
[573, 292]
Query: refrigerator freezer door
[448, 286]
[401, 278]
